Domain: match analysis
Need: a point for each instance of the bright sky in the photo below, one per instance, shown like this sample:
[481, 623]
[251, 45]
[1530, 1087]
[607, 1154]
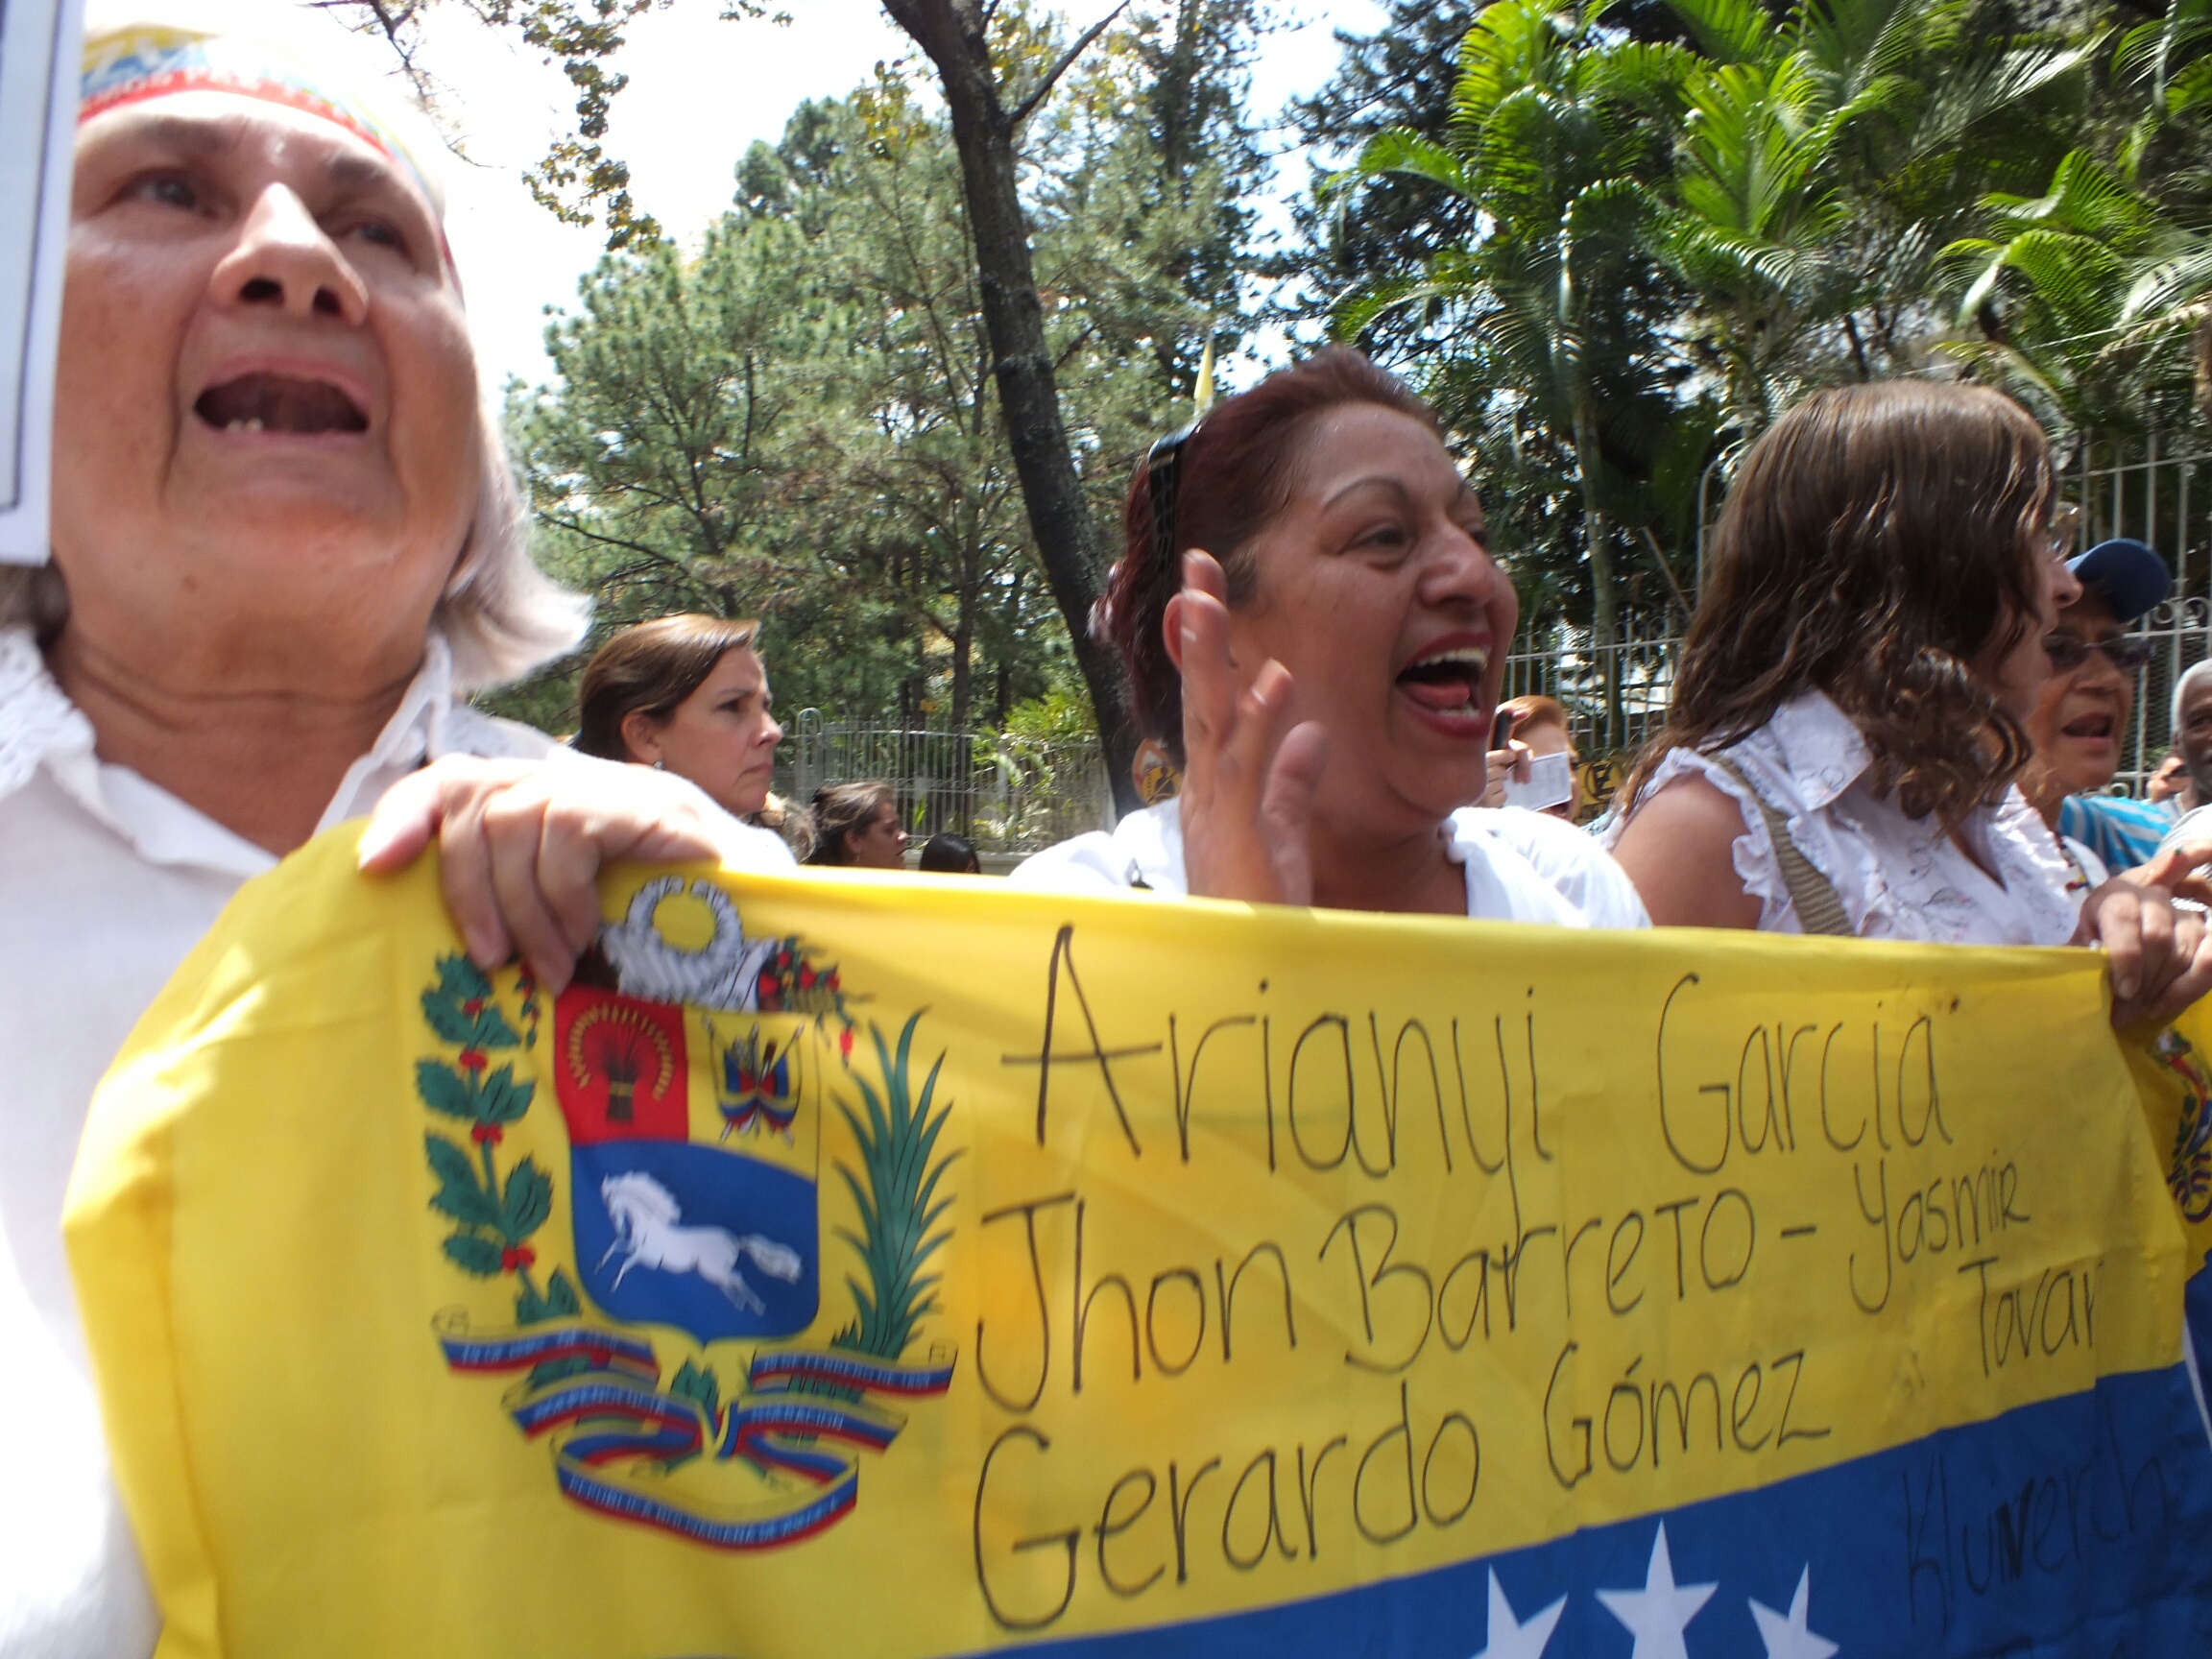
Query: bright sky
[701, 91]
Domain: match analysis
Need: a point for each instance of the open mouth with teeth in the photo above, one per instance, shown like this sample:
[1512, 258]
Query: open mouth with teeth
[1447, 684]
[2092, 728]
[261, 402]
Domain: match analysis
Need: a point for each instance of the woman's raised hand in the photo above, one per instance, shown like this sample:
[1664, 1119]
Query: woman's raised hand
[1249, 775]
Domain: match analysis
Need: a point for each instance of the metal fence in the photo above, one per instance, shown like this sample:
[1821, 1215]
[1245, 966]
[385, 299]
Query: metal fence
[1005, 794]
[2158, 491]
[1616, 693]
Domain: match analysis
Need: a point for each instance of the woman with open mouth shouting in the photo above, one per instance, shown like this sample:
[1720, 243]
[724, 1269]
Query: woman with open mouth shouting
[1316, 632]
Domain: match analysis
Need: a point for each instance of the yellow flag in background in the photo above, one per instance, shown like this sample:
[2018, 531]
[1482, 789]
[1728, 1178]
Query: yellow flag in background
[863, 1267]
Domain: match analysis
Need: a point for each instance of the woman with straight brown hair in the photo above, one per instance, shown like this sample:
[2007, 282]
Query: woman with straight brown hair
[686, 694]
[854, 825]
[1849, 716]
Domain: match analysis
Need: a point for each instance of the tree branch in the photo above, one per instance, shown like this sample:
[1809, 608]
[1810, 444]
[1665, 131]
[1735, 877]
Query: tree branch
[1028, 104]
[1659, 557]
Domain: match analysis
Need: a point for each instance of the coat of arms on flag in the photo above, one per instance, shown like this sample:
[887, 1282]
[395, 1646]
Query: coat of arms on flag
[689, 1095]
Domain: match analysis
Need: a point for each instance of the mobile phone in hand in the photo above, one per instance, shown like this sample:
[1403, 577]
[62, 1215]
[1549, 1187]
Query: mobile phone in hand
[1551, 783]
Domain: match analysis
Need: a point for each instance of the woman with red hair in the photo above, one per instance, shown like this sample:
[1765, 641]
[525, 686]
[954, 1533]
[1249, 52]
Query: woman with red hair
[1316, 632]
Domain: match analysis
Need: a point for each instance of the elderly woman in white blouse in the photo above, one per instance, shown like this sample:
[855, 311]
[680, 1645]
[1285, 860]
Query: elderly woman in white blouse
[1849, 716]
[1316, 632]
[284, 546]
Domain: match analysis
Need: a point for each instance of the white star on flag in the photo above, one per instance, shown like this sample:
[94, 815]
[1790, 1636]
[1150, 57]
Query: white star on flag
[1657, 1613]
[1509, 1638]
[1789, 1638]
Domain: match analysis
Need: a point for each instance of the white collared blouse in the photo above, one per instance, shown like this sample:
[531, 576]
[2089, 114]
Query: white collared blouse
[1520, 866]
[106, 881]
[1898, 877]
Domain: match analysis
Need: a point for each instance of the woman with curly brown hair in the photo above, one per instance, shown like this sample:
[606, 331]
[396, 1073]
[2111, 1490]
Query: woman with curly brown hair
[1849, 716]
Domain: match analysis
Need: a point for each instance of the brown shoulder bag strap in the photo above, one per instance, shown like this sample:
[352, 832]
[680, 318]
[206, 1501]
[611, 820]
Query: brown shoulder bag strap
[1819, 910]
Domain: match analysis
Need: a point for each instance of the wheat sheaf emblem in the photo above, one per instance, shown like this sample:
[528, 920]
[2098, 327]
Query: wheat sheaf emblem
[629, 1040]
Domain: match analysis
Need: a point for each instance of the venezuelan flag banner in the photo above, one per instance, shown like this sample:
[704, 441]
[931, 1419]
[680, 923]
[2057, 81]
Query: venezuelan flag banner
[870, 1268]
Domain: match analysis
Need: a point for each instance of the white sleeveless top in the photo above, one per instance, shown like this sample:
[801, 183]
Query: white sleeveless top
[1898, 877]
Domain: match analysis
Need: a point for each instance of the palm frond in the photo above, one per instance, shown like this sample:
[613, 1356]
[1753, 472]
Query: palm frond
[895, 1196]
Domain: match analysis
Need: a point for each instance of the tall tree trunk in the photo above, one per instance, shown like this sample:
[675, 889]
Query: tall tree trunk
[964, 645]
[955, 37]
[1604, 597]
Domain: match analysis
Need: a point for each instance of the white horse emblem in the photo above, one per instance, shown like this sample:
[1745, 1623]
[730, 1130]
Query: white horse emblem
[646, 1219]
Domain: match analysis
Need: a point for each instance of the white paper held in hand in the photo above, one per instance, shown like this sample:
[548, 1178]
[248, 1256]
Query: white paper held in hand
[1551, 783]
[40, 76]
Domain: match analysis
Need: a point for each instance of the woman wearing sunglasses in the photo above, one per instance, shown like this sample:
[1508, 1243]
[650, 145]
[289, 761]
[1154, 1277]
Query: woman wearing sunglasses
[1851, 706]
[2082, 713]
[1316, 632]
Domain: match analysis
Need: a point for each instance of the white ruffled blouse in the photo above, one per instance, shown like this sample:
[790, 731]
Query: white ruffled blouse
[1898, 877]
[1520, 866]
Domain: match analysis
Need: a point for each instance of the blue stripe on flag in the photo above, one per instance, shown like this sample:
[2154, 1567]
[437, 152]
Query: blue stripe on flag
[2080, 1526]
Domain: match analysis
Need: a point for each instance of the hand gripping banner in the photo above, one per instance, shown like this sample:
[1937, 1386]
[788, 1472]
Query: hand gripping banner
[867, 1267]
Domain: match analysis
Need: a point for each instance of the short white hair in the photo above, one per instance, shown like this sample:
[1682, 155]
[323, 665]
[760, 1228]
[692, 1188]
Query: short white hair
[502, 616]
[2195, 676]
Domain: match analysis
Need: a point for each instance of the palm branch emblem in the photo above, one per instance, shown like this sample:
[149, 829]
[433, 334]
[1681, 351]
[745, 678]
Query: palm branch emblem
[895, 1191]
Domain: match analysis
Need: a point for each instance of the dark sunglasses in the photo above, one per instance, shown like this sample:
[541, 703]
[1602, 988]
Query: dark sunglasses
[1162, 485]
[2126, 652]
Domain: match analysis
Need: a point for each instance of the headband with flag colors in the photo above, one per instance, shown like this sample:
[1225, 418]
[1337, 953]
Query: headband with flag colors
[132, 64]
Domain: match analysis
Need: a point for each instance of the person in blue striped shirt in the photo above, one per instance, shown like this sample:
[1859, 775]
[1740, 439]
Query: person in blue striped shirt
[2083, 714]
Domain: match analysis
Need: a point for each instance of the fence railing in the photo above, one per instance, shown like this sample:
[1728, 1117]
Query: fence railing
[1006, 794]
[1617, 694]
[2159, 491]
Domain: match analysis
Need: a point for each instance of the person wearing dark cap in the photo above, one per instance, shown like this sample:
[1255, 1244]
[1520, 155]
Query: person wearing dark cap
[2081, 715]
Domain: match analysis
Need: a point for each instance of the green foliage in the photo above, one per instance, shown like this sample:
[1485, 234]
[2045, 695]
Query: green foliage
[475, 1254]
[1610, 241]
[460, 1009]
[459, 1193]
[1666, 237]
[525, 1201]
[558, 1301]
[1397, 79]
[895, 1192]
[1060, 715]
[495, 1217]
[699, 1385]
[798, 421]
[466, 1094]
[2091, 299]
[1553, 366]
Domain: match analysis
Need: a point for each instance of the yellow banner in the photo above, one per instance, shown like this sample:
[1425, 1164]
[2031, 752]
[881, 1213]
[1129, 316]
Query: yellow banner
[869, 1266]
